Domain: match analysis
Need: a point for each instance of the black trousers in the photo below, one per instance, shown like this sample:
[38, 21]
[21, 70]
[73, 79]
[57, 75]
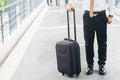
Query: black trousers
[98, 25]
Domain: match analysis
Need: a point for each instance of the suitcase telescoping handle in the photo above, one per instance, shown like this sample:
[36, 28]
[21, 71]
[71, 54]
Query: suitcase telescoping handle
[68, 24]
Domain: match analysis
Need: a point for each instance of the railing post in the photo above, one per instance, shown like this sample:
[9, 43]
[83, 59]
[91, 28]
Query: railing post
[23, 9]
[30, 6]
[2, 31]
[12, 18]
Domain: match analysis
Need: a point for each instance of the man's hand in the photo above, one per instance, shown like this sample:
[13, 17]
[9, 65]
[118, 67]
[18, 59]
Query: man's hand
[69, 7]
[109, 20]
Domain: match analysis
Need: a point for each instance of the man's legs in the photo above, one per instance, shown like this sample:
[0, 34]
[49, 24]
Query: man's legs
[101, 30]
[89, 33]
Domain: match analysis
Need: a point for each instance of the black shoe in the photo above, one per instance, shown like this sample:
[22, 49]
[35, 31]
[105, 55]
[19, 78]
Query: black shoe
[102, 70]
[89, 70]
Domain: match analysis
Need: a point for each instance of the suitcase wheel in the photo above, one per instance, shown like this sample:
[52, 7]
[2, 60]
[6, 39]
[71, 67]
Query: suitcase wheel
[63, 74]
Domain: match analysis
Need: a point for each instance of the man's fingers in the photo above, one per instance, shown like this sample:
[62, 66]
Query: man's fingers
[69, 7]
[109, 20]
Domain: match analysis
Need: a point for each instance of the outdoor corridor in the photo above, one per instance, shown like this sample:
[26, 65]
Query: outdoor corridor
[34, 56]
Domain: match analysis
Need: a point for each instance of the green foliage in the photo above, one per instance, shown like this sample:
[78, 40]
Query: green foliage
[3, 3]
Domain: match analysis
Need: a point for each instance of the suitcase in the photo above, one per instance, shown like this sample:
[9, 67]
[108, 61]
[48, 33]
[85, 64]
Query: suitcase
[68, 53]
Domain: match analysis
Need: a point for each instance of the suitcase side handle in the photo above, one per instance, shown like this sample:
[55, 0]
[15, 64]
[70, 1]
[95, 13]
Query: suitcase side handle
[68, 24]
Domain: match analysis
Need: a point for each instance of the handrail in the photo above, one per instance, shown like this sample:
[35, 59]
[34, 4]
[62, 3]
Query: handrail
[14, 14]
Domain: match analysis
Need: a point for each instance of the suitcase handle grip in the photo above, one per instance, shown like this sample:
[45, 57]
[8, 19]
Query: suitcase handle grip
[68, 24]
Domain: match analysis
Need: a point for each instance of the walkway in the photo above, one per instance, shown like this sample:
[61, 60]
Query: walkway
[34, 58]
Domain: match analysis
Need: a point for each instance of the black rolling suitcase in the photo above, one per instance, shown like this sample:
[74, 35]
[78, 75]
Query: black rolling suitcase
[68, 53]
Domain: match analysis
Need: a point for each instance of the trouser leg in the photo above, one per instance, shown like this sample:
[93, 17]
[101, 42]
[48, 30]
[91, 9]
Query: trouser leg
[101, 31]
[89, 33]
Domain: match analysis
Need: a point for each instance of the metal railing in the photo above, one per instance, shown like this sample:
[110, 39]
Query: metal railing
[14, 14]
